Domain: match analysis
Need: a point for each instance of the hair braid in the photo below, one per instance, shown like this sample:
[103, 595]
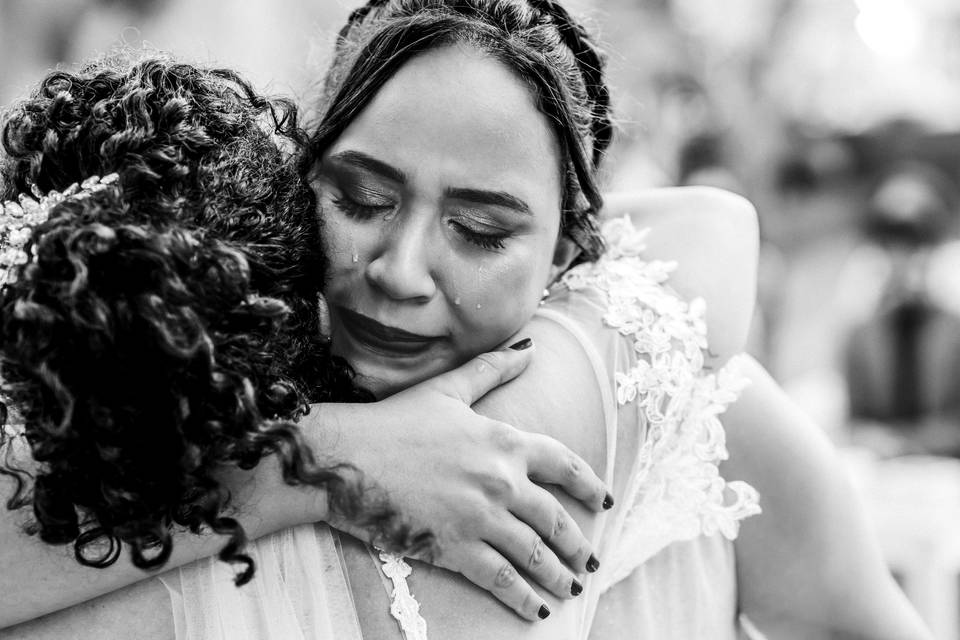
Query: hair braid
[591, 62]
[358, 15]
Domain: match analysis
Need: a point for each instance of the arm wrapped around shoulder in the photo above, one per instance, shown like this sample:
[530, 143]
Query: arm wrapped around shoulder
[166, 326]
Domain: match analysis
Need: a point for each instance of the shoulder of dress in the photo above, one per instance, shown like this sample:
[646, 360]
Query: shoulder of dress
[677, 492]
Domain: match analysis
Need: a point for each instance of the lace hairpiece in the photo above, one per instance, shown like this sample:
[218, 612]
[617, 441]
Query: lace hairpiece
[18, 218]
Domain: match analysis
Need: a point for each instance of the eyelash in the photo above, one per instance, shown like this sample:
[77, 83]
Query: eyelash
[489, 241]
[354, 209]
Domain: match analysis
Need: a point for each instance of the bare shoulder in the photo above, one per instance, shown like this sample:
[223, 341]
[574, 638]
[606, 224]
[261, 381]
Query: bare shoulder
[558, 394]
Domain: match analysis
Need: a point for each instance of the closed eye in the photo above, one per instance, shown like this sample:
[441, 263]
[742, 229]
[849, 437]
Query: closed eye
[481, 235]
[353, 209]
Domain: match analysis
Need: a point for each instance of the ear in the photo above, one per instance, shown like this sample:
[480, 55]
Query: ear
[565, 253]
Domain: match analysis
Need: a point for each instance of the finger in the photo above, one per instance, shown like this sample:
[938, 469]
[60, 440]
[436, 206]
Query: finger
[549, 461]
[482, 374]
[543, 513]
[490, 571]
[527, 551]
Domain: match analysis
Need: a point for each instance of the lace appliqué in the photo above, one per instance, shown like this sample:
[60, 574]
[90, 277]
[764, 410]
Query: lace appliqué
[677, 492]
[403, 606]
[17, 430]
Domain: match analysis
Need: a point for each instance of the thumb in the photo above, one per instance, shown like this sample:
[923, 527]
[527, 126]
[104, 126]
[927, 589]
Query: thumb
[484, 373]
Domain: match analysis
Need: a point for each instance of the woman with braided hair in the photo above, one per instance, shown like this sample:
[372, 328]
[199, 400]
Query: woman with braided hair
[455, 169]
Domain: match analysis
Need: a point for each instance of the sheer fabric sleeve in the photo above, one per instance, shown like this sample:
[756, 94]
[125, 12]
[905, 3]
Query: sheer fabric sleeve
[299, 592]
[668, 440]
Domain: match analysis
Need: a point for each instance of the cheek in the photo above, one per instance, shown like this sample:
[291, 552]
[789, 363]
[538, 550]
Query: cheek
[339, 239]
[501, 298]
[343, 245]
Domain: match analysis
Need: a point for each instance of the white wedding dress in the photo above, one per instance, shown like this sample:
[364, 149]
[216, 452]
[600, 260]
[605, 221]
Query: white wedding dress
[668, 565]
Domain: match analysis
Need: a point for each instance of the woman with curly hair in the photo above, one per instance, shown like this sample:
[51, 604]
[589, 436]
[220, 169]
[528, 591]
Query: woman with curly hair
[455, 168]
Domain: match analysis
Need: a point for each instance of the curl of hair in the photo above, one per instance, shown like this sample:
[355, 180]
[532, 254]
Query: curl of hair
[538, 39]
[166, 329]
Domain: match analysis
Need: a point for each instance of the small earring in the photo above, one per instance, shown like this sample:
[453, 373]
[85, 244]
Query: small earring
[323, 319]
[544, 296]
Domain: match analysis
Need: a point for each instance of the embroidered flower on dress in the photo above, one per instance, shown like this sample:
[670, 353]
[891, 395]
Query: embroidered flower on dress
[677, 492]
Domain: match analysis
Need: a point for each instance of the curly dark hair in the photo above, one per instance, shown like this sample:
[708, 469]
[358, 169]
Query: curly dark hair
[538, 40]
[166, 327]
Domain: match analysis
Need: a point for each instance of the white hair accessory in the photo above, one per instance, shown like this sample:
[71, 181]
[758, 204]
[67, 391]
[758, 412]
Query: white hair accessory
[18, 218]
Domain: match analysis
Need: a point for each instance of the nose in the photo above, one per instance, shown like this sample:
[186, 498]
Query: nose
[400, 267]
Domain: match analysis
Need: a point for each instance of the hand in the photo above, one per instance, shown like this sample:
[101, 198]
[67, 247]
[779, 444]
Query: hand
[472, 481]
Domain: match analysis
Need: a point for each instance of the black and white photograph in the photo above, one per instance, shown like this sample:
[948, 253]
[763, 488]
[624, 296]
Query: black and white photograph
[480, 319]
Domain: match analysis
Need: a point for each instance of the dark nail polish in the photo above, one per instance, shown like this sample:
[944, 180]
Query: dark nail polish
[526, 343]
[592, 564]
[544, 612]
[608, 502]
[576, 588]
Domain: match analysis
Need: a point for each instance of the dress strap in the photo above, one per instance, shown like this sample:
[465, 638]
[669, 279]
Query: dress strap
[404, 608]
[600, 370]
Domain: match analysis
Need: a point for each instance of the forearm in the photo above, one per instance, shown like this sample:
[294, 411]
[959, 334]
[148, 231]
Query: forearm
[809, 566]
[38, 578]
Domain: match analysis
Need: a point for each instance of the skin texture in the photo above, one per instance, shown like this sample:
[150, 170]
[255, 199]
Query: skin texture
[467, 207]
[810, 566]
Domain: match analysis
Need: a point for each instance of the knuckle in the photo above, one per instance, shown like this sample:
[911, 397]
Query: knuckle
[537, 554]
[497, 483]
[486, 361]
[504, 437]
[573, 467]
[559, 525]
[505, 577]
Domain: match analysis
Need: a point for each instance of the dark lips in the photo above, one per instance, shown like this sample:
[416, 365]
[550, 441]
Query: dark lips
[382, 338]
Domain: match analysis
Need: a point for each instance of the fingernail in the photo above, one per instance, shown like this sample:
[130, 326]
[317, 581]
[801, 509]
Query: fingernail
[592, 564]
[608, 502]
[576, 588]
[544, 612]
[526, 343]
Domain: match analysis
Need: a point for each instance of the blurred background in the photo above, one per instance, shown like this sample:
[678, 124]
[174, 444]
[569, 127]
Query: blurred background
[839, 119]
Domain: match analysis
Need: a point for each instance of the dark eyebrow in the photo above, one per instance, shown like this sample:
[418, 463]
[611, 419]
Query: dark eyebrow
[362, 160]
[495, 198]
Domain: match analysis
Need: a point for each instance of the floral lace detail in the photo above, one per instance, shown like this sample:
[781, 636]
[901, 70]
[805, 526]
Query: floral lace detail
[16, 430]
[676, 492]
[403, 606]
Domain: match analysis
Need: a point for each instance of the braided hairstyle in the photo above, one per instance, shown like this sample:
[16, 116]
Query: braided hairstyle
[165, 329]
[537, 39]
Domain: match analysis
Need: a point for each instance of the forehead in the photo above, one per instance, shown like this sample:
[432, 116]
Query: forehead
[458, 111]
